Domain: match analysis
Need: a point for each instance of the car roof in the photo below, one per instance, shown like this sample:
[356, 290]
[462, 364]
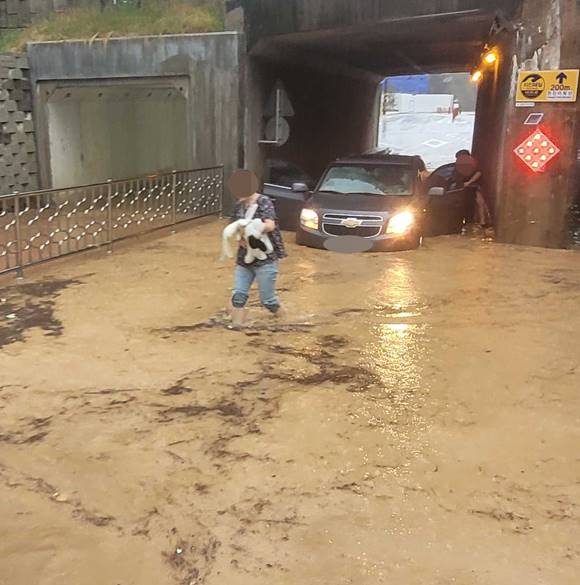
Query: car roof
[379, 157]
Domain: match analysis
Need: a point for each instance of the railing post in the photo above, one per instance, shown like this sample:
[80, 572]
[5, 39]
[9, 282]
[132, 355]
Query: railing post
[19, 261]
[173, 200]
[222, 190]
[110, 215]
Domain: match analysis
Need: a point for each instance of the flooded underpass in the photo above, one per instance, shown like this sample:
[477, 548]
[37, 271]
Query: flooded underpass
[414, 421]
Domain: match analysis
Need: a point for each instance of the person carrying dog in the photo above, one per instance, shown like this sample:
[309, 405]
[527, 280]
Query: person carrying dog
[244, 185]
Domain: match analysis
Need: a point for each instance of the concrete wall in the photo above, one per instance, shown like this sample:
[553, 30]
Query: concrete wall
[209, 66]
[335, 114]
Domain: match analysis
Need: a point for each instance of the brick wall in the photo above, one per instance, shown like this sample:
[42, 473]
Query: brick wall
[18, 161]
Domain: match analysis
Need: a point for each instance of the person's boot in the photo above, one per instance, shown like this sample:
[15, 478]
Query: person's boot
[238, 317]
[281, 314]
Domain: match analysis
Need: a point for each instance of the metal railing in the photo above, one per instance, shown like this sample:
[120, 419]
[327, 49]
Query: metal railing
[43, 225]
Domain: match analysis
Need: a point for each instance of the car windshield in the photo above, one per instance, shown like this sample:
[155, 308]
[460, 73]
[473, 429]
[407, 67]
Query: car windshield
[368, 179]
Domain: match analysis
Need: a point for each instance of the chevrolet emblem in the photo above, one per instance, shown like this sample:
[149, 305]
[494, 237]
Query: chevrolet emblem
[351, 222]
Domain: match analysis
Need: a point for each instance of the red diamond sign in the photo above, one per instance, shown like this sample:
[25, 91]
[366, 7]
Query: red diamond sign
[537, 151]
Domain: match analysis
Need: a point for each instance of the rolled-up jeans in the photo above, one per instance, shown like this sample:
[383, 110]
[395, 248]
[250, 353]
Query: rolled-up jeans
[266, 276]
[483, 212]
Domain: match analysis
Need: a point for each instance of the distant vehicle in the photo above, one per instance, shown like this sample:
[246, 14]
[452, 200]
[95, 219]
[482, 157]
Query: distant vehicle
[376, 196]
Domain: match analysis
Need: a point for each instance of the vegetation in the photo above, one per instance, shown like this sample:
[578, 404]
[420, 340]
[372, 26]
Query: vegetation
[125, 19]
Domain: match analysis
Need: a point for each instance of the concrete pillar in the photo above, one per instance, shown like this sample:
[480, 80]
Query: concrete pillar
[535, 208]
[493, 110]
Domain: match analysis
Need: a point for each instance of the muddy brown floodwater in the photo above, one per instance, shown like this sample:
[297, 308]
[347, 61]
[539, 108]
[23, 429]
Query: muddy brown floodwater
[416, 420]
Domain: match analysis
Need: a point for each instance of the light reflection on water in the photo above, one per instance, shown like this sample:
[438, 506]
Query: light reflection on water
[397, 350]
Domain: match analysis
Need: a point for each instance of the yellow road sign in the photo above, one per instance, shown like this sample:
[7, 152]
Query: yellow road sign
[558, 85]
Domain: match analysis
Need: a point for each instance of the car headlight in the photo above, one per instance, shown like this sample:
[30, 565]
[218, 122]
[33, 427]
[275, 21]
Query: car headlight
[309, 219]
[401, 223]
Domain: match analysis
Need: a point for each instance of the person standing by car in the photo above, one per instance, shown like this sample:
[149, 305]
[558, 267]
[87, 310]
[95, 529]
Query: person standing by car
[244, 185]
[424, 174]
[468, 175]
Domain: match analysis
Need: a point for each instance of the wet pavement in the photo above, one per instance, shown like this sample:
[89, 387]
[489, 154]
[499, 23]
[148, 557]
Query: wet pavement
[434, 137]
[415, 421]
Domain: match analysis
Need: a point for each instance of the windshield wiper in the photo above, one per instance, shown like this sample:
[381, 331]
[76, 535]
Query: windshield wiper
[331, 191]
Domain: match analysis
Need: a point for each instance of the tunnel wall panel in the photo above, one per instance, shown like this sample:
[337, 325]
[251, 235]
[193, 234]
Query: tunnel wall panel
[92, 138]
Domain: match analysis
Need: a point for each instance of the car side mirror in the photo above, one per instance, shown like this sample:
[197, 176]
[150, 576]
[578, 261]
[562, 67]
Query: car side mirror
[300, 188]
[436, 192]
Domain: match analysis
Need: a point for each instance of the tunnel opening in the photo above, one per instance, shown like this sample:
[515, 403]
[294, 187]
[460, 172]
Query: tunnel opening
[333, 79]
[116, 129]
[431, 115]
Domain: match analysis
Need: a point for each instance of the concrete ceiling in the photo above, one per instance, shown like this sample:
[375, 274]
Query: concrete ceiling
[425, 44]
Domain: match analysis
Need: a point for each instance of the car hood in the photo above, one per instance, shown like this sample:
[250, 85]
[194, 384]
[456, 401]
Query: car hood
[357, 203]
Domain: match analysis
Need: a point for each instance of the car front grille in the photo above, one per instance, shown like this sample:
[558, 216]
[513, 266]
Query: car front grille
[365, 218]
[370, 225]
[361, 231]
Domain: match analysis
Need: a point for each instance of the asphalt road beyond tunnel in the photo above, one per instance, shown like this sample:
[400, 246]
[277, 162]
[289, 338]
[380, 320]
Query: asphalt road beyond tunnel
[415, 421]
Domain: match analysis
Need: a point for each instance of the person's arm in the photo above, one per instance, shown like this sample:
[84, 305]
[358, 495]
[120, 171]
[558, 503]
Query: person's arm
[237, 215]
[473, 179]
[269, 225]
[268, 215]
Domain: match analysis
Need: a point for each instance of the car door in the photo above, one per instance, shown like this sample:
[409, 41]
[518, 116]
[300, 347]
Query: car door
[447, 213]
[280, 176]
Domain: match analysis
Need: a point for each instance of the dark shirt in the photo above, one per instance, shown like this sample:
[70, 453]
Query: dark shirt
[462, 180]
[265, 210]
[465, 169]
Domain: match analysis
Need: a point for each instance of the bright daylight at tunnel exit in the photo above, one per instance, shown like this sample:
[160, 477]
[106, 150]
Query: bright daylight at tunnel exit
[289, 291]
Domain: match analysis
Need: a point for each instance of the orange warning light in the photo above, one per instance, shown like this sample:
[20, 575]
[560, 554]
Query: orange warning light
[490, 57]
[476, 76]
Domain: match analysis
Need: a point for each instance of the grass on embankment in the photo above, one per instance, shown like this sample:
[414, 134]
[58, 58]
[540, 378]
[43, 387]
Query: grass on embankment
[154, 18]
